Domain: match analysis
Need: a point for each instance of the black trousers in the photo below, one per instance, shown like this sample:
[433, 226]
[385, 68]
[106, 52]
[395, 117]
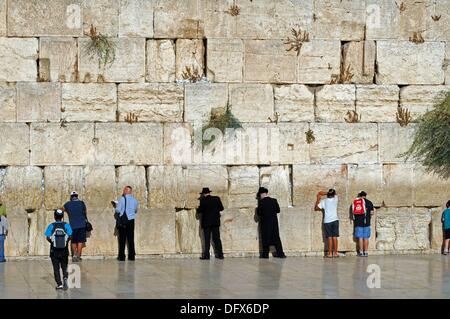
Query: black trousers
[215, 232]
[278, 247]
[126, 236]
[60, 262]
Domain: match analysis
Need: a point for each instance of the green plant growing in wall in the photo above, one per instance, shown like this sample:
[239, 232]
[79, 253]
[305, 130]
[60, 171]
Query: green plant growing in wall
[310, 138]
[222, 121]
[403, 116]
[431, 144]
[295, 43]
[100, 47]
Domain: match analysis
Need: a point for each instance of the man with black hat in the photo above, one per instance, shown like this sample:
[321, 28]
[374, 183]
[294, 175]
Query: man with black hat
[267, 211]
[209, 210]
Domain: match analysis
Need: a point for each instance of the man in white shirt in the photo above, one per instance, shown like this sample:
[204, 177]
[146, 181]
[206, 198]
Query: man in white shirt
[330, 219]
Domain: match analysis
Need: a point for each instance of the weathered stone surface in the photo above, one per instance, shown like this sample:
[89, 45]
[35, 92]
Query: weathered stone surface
[293, 146]
[437, 21]
[419, 99]
[334, 101]
[358, 57]
[251, 102]
[398, 185]
[102, 241]
[14, 138]
[103, 15]
[341, 143]
[38, 102]
[295, 229]
[8, 102]
[166, 186]
[155, 231]
[394, 140]
[53, 144]
[135, 177]
[18, 59]
[37, 224]
[160, 61]
[239, 231]
[62, 54]
[429, 189]
[268, 61]
[407, 63]
[35, 18]
[277, 179]
[151, 102]
[3, 17]
[189, 54]
[100, 187]
[403, 228]
[178, 144]
[213, 176]
[446, 64]
[243, 186]
[344, 20]
[216, 21]
[115, 147]
[436, 228]
[319, 60]
[17, 244]
[59, 181]
[23, 188]
[368, 178]
[202, 98]
[136, 18]
[89, 102]
[412, 18]
[294, 103]
[377, 103]
[188, 233]
[225, 60]
[128, 65]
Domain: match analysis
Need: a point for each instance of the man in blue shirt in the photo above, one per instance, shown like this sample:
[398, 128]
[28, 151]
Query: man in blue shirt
[76, 210]
[126, 210]
[446, 228]
[58, 235]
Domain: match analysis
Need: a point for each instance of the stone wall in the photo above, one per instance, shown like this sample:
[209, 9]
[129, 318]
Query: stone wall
[63, 118]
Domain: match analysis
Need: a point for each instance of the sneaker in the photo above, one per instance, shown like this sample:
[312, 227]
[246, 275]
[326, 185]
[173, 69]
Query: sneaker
[444, 253]
[366, 254]
[204, 258]
[65, 285]
[59, 287]
[74, 259]
[360, 254]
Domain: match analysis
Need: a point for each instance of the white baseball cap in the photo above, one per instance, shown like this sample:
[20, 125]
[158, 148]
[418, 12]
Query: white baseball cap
[73, 193]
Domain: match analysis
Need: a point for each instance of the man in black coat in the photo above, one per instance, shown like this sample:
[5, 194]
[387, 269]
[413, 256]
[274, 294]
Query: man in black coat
[209, 210]
[267, 211]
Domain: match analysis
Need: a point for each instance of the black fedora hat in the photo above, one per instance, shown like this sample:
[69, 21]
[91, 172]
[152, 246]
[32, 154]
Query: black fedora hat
[262, 190]
[205, 190]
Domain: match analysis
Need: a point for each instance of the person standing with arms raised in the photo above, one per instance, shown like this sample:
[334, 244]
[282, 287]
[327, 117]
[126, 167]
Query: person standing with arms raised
[126, 210]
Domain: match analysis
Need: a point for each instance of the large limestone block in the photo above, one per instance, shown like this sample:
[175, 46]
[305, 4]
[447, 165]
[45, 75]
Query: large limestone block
[293, 146]
[394, 140]
[188, 232]
[295, 229]
[17, 241]
[151, 102]
[155, 231]
[166, 186]
[344, 20]
[334, 101]
[243, 186]
[37, 18]
[319, 60]
[447, 64]
[294, 103]
[189, 54]
[412, 18]
[136, 18]
[56, 144]
[3, 17]
[382, 19]
[8, 102]
[239, 231]
[377, 103]
[308, 180]
[37, 225]
[178, 19]
[429, 189]
[368, 178]
[407, 63]
[23, 188]
[179, 148]
[268, 61]
[202, 98]
[134, 176]
[18, 59]
[213, 176]
[115, 147]
[437, 20]
[15, 141]
[419, 99]
[89, 102]
[277, 179]
[62, 54]
[403, 228]
[225, 60]
[38, 102]
[102, 14]
[398, 185]
[359, 58]
[160, 61]
[59, 181]
[344, 143]
[100, 187]
[128, 65]
[251, 102]
[436, 228]
[102, 241]
[216, 20]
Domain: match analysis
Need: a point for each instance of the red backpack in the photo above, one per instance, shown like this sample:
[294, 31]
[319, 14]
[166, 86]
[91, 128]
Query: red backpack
[359, 206]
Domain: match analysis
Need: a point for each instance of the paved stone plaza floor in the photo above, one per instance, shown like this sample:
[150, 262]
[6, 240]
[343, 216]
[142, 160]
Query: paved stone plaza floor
[402, 276]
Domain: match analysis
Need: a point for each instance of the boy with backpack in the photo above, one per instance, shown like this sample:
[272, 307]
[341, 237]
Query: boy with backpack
[446, 228]
[362, 210]
[58, 235]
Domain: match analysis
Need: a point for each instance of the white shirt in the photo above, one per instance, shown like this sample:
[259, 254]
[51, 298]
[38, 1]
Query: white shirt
[3, 225]
[329, 205]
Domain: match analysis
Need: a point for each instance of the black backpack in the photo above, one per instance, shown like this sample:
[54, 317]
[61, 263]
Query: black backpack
[122, 220]
[59, 237]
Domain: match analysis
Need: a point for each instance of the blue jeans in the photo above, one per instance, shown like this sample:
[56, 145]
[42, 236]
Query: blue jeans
[2, 247]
